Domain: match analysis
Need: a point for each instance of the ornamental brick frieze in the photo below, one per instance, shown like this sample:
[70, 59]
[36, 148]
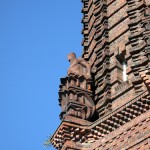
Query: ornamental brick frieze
[87, 132]
[75, 94]
[133, 136]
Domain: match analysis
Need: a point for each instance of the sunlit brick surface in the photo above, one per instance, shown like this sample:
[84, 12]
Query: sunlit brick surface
[114, 32]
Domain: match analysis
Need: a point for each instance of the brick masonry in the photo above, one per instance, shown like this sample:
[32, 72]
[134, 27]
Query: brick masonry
[114, 32]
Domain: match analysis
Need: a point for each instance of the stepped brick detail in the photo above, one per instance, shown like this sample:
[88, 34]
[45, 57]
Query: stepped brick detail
[105, 97]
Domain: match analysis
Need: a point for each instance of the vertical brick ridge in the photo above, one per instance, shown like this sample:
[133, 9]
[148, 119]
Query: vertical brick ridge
[102, 63]
[136, 10]
[96, 49]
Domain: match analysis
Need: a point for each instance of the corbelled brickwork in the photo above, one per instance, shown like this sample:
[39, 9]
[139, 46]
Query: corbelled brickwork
[105, 98]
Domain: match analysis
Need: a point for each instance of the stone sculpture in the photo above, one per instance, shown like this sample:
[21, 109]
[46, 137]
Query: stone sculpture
[75, 94]
[78, 66]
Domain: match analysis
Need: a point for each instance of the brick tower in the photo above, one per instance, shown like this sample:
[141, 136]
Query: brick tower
[105, 97]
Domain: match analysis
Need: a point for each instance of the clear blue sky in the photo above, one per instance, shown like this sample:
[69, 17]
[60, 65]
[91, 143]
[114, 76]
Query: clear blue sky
[35, 38]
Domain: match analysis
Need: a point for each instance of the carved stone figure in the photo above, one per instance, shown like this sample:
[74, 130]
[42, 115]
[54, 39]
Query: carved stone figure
[78, 66]
[75, 94]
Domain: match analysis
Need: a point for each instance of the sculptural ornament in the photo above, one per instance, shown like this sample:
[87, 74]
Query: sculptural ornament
[78, 66]
[75, 94]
